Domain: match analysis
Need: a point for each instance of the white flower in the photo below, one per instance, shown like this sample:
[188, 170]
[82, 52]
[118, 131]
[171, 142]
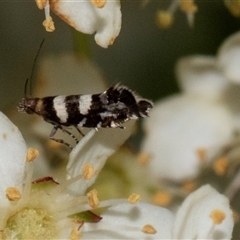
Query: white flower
[189, 129]
[182, 132]
[205, 214]
[45, 209]
[102, 17]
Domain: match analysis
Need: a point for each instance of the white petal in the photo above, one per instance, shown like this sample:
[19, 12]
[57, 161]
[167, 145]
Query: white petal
[193, 218]
[12, 155]
[229, 58]
[201, 76]
[95, 148]
[87, 18]
[125, 221]
[178, 128]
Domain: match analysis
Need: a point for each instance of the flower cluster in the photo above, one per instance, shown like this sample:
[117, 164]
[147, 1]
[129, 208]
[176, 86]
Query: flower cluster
[45, 209]
[192, 127]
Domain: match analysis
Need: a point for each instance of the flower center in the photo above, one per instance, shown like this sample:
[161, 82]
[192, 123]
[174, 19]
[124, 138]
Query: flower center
[30, 223]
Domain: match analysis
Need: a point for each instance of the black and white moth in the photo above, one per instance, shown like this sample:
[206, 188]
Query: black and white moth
[109, 109]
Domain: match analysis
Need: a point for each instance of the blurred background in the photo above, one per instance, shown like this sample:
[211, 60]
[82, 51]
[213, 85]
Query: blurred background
[142, 57]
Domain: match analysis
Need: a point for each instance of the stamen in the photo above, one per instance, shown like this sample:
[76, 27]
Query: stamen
[48, 22]
[41, 3]
[202, 154]
[220, 166]
[87, 171]
[189, 185]
[164, 19]
[134, 198]
[28, 183]
[99, 3]
[93, 199]
[32, 154]
[143, 158]
[217, 216]
[188, 6]
[75, 234]
[13, 194]
[149, 229]
[162, 198]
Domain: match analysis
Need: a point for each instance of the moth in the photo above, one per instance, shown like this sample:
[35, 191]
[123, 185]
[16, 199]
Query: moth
[110, 109]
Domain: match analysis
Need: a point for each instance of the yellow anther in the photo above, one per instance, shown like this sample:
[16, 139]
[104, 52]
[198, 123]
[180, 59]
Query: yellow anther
[13, 194]
[41, 4]
[217, 216]
[99, 3]
[143, 158]
[164, 19]
[162, 198]
[134, 198]
[93, 199]
[220, 166]
[49, 24]
[87, 171]
[32, 153]
[149, 229]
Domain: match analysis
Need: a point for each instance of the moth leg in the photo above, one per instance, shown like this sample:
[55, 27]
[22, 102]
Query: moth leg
[53, 132]
[70, 134]
[79, 131]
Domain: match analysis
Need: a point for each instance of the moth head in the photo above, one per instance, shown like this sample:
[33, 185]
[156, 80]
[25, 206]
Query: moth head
[144, 107]
[27, 105]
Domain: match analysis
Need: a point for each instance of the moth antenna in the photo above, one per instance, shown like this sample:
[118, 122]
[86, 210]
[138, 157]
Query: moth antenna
[25, 88]
[33, 67]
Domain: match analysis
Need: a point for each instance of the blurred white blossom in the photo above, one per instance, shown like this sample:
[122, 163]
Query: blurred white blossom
[101, 17]
[188, 130]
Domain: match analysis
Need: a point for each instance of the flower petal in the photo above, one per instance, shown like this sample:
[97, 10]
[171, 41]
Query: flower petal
[178, 128]
[194, 219]
[201, 76]
[125, 221]
[85, 17]
[13, 157]
[94, 149]
[229, 58]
